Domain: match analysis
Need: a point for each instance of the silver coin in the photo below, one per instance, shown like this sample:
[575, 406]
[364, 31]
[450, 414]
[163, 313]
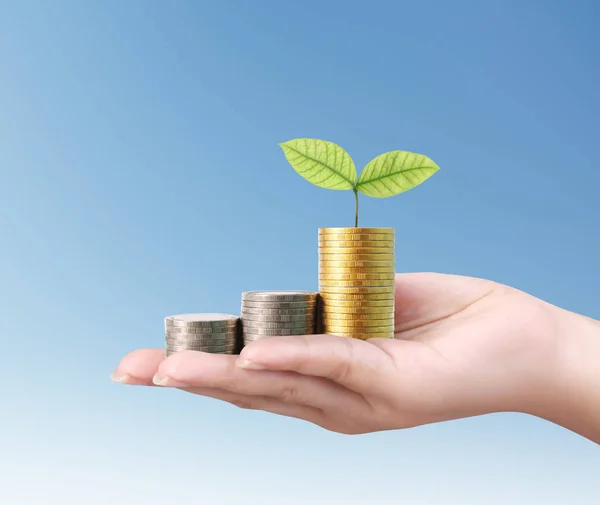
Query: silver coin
[202, 320]
[200, 331]
[199, 347]
[199, 338]
[251, 323]
[279, 296]
[203, 336]
[175, 338]
[277, 312]
[276, 326]
[204, 328]
[254, 325]
[278, 304]
[253, 338]
[278, 332]
[277, 318]
[212, 351]
[224, 350]
[207, 341]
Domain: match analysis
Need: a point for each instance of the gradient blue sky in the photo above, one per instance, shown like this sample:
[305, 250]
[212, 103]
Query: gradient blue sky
[141, 177]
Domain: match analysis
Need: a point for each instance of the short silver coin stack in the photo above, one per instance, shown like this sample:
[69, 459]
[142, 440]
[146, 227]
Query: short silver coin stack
[277, 313]
[214, 333]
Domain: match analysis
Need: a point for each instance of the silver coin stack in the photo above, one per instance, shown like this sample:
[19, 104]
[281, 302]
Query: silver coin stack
[277, 313]
[214, 333]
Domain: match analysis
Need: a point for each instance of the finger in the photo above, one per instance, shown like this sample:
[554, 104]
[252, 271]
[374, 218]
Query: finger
[194, 369]
[138, 367]
[265, 403]
[352, 363]
[422, 298]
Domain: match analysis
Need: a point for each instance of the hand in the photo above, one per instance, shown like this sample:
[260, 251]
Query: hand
[463, 347]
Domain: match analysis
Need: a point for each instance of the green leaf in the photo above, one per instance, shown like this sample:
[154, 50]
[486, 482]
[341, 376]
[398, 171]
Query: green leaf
[323, 163]
[395, 172]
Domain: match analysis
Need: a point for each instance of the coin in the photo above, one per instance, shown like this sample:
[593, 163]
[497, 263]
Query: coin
[356, 283]
[333, 231]
[328, 309]
[273, 319]
[355, 249]
[363, 336]
[354, 321]
[346, 330]
[351, 237]
[251, 326]
[275, 332]
[342, 301]
[201, 320]
[353, 264]
[200, 338]
[349, 255]
[279, 305]
[278, 312]
[327, 269]
[377, 276]
[354, 244]
[199, 345]
[169, 351]
[388, 291]
[277, 318]
[192, 346]
[278, 296]
[200, 331]
[253, 338]
[207, 341]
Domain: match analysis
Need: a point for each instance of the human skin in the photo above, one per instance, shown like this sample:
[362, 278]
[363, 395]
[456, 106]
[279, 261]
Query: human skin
[463, 347]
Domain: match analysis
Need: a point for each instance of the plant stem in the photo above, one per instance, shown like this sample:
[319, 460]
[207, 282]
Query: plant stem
[356, 197]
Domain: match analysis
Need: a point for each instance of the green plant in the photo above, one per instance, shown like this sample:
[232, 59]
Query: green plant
[329, 166]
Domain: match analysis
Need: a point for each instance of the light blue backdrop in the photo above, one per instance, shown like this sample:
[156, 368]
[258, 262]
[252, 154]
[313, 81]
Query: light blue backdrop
[141, 177]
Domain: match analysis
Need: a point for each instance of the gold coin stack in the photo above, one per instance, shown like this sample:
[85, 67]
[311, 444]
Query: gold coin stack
[356, 282]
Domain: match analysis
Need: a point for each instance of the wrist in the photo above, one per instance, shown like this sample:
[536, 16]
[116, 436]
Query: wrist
[570, 396]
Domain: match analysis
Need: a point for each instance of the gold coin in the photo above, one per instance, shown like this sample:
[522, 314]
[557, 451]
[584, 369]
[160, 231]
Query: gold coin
[362, 336]
[379, 244]
[349, 330]
[355, 256]
[365, 322]
[358, 304]
[357, 283]
[359, 299]
[361, 315]
[371, 237]
[388, 291]
[367, 249]
[353, 265]
[363, 270]
[341, 311]
[327, 231]
[377, 276]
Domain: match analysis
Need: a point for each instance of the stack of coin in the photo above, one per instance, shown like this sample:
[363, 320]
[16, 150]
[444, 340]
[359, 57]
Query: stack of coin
[277, 313]
[356, 282]
[214, 333]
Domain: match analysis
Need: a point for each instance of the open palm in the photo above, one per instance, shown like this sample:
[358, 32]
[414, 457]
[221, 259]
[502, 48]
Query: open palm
[463, 347]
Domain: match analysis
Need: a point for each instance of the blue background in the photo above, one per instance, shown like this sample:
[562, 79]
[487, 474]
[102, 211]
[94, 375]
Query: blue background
[141, 176]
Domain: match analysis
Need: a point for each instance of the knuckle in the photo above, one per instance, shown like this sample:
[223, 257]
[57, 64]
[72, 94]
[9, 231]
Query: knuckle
[289, 394]
[342, 372]
[173, 365]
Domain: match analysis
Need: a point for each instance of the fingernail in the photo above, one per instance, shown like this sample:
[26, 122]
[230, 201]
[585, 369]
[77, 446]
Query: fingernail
[121, 379]
[250, 365]
[160, 381]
